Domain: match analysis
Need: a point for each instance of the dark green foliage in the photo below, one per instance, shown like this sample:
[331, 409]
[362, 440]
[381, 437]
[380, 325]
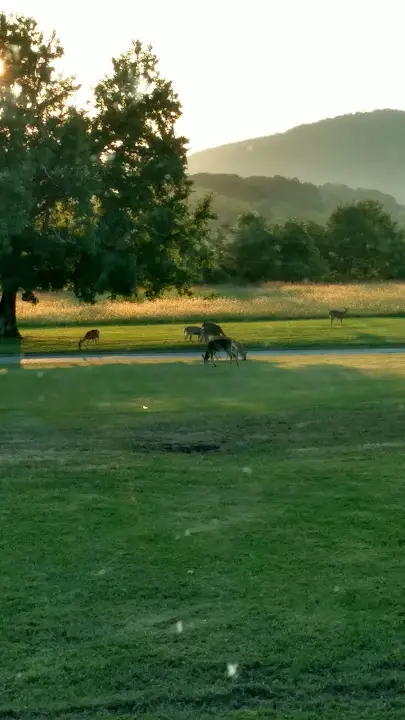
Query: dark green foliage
[300, 258]
[99, 203]
[47, 178]
[254, 253]
[364, 243]
[359, 242]
[143, 214]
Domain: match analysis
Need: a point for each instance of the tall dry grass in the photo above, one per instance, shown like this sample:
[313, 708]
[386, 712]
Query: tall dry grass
[269, 301]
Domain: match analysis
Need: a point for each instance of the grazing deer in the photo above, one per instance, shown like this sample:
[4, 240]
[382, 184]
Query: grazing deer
[209, 329]
[191, 330]
[221, 344]
[91, 335]
[239, 348]
[337, 315]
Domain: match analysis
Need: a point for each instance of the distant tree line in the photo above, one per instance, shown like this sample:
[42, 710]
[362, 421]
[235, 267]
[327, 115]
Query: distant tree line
[360, 241]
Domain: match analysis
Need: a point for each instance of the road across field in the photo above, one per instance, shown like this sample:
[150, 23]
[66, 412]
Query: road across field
[81, 358]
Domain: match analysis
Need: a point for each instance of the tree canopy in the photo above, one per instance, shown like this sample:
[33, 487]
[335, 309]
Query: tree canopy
[96, 201]
[360, 241]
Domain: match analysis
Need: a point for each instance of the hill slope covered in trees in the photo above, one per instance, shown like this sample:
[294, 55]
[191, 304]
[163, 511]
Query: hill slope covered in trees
[361, 150]
[279, 198]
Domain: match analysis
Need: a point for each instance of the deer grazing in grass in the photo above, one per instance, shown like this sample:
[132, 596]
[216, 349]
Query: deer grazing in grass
[209, 329]
[91, 335]
[239, 349]
[337, 315]
[191, 330]
[221, 344]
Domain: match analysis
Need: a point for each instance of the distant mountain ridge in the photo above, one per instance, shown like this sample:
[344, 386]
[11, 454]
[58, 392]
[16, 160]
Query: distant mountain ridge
[279, 198]
[363, 150]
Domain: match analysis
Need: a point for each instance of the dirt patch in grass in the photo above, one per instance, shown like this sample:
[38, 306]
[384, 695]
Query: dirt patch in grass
[370, 427]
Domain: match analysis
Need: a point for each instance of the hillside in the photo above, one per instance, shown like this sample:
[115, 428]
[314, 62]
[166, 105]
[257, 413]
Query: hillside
[362, 150]
[278, 198]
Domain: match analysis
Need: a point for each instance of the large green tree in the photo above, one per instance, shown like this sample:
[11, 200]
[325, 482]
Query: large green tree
[300, 258]
[254, 251]
[45, 169]
[148, 236]
[363, 242]
[96, 202]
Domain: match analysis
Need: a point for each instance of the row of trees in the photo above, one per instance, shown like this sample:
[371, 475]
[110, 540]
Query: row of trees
[360, 241]
[94, 199]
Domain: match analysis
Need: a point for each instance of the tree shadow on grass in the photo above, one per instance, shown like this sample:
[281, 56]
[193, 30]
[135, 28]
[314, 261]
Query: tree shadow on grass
[261, 406]
[11, 349]
[372, 341]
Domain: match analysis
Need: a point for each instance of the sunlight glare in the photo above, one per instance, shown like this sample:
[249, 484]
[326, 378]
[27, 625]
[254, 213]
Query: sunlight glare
[1, 67]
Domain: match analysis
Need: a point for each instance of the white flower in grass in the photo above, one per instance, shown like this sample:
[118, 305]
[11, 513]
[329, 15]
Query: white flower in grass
[232, 670]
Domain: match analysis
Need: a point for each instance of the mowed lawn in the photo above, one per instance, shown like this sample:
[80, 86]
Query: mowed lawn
[182, 542]
[280, 334]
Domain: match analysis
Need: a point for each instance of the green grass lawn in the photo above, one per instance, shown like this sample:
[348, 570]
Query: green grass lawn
[283, 334]
[134, 573]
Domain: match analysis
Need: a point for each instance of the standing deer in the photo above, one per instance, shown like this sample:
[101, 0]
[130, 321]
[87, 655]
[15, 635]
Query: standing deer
[221, 344]
[209, 329]
[191, 330]
[91, 335]
[337, 315]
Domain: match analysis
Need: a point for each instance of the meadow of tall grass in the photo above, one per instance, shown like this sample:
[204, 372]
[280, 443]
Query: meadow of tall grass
[270, 301]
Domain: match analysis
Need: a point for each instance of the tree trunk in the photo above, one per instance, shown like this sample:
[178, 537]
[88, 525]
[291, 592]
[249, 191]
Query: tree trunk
[8, 315]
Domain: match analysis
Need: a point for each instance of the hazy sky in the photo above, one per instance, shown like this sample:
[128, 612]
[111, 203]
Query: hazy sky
[248, 68]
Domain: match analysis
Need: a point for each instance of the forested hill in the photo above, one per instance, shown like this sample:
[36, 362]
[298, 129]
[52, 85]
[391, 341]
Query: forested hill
[278, 198]
[360, 150]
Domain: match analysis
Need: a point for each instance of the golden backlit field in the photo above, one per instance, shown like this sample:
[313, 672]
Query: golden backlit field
[269, 301]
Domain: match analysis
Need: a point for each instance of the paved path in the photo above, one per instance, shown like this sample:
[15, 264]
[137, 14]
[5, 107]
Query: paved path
[79, 358]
